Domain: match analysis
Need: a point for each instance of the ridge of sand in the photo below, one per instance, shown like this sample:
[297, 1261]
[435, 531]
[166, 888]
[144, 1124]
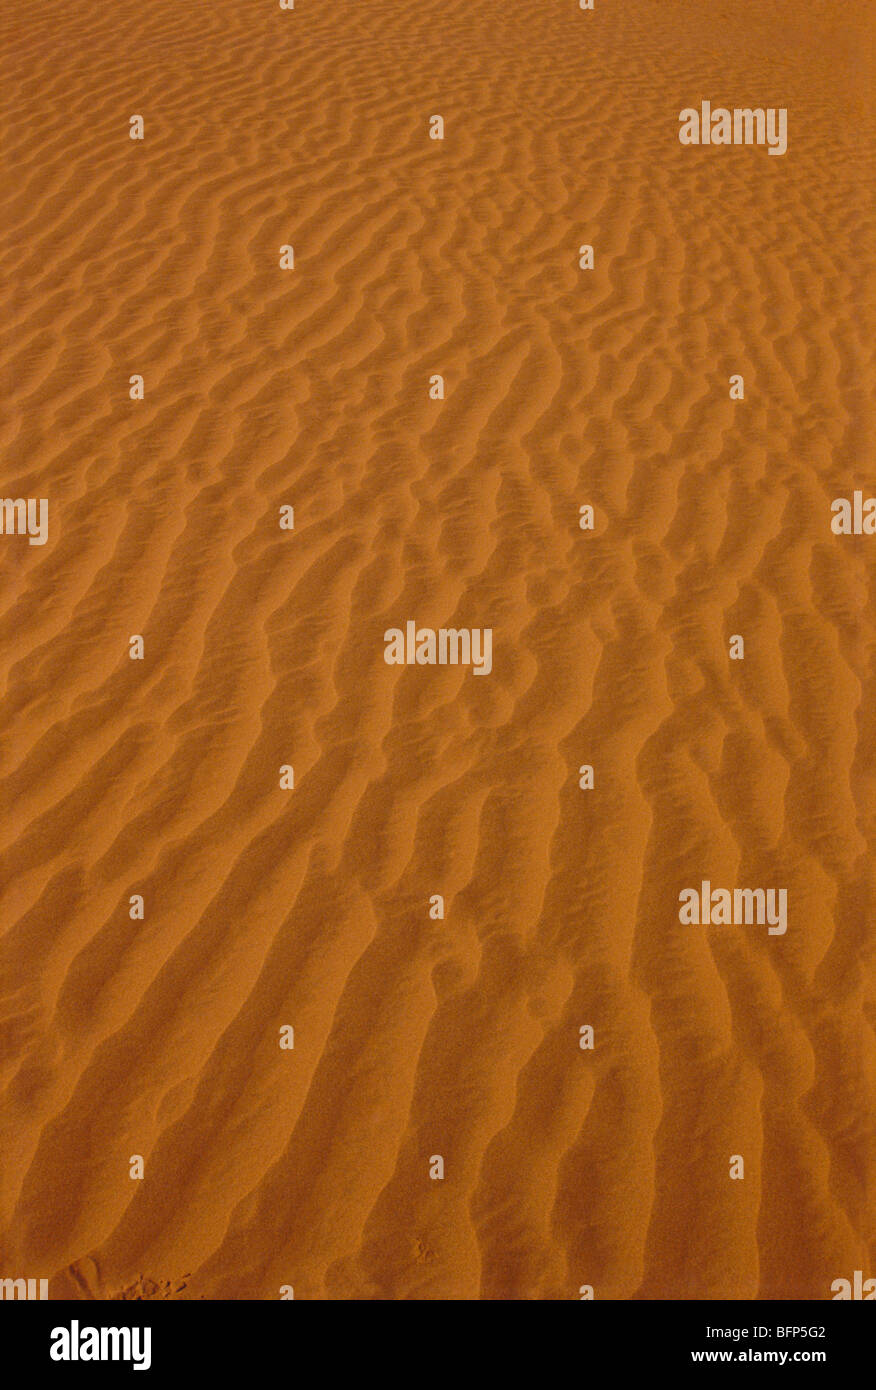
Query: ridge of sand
[265, 907]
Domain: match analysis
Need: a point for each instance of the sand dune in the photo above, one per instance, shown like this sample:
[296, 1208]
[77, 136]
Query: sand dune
[309, 907]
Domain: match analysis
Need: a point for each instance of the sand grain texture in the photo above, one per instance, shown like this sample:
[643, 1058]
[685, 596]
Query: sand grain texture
[310, 907]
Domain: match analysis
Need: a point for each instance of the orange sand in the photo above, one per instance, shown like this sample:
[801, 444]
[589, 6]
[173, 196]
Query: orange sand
[266, 907]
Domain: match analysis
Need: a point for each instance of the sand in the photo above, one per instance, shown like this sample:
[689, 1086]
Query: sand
[309, 907]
